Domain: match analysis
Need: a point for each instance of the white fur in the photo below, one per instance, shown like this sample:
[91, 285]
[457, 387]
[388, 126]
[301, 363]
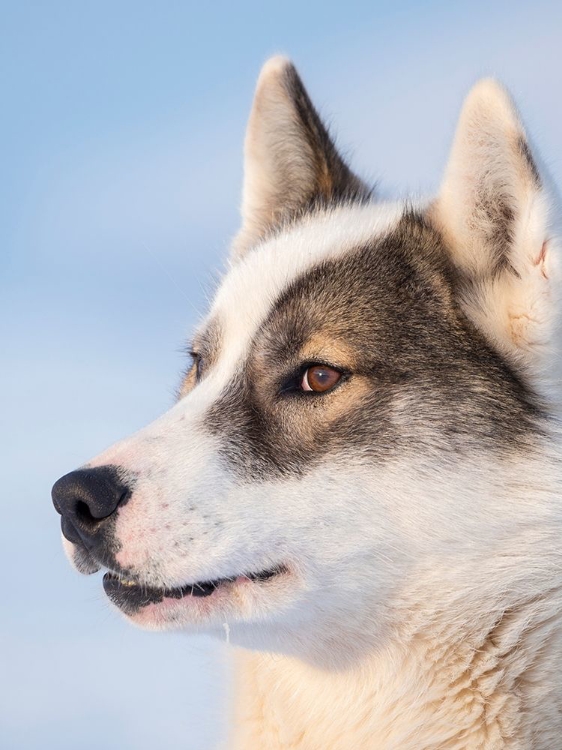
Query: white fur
[256, 281]
[421, 604]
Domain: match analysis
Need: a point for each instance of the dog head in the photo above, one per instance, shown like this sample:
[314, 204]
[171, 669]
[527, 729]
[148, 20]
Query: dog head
[366, 378]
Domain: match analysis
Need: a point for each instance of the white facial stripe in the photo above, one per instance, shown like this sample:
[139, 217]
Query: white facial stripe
[244, 301]
[254, 283]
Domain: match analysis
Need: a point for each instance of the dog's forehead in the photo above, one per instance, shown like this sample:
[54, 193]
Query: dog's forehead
[254, 284]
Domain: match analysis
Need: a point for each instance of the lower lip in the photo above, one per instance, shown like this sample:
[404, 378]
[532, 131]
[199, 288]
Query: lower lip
[131, 598]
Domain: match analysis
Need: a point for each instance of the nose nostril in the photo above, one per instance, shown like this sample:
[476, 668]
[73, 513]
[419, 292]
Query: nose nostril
[84, 514]
[86, 499]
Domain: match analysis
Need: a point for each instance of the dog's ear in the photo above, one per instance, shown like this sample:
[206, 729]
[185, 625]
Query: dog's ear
[290, 160]
[498, 218]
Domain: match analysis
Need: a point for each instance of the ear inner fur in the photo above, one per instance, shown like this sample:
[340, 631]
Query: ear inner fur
[497, 217]
[291, 162]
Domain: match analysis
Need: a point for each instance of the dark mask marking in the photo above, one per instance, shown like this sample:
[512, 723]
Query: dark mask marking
[422, 374]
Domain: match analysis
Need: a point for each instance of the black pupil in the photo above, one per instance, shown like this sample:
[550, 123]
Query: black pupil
[321, 376]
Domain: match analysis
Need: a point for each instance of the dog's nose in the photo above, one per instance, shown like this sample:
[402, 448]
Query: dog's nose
[86, 499]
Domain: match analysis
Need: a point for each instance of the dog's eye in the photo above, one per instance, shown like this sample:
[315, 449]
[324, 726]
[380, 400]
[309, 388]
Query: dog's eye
[320, 378]
[197, 364]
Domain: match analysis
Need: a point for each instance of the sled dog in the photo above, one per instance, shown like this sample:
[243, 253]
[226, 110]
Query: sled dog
[361, 476]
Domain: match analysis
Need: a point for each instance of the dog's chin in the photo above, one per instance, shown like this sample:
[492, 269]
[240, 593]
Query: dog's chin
[248, 596]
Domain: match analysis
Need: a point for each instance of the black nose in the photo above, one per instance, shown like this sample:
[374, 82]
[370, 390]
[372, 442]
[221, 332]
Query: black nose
[86, 499]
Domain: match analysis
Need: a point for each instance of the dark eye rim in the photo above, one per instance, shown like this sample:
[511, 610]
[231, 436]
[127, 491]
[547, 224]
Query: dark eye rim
[197, 363]
[291, 386]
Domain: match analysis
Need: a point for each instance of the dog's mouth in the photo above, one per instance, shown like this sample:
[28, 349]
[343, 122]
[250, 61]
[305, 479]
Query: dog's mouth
[131, 596]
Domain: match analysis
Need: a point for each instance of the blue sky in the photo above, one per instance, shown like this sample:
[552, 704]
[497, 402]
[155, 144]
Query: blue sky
[121, 135]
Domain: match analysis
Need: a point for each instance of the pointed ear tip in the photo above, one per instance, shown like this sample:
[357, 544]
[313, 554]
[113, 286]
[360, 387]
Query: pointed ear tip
[490, 94]
[275, 67]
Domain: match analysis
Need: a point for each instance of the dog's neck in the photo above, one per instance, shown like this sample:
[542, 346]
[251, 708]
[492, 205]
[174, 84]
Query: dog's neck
[464, 654]
[449, 685]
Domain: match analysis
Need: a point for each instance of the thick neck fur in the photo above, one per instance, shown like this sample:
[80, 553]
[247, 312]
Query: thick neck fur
[495, 689]
[471, 658]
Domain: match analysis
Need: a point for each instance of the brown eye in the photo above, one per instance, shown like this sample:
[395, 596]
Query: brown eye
[320, 378]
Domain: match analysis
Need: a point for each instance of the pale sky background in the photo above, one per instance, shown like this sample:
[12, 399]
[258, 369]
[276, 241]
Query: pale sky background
[121, 131]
